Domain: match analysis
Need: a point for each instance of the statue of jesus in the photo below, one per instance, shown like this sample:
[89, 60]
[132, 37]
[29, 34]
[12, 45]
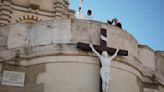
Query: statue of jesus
[105, 69]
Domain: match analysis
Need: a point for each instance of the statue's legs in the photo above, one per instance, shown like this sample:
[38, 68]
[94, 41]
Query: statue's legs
[105, 80]
[102, 74]
[105, 76]
[103, 86]
[107, 83]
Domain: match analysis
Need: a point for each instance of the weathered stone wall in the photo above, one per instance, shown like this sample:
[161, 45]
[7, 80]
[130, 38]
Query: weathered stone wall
[161, 89]
[48, 6]
[146, 56]
[32, 11]
[3, 37]
[160, 62]
[124, 78]
[66, 68]
[160, 69]
[71, 76]
[31, 74]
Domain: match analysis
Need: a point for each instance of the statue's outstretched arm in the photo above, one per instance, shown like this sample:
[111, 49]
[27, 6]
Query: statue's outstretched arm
[93, 49]
[115, 54]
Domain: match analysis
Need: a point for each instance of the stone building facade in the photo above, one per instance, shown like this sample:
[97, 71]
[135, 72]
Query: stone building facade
[46, 53]
[30, 11]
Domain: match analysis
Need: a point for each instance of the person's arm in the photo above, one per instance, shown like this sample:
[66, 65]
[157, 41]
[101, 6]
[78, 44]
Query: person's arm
[115, 54]
[109, 22]
[93, 49]
[78, 13]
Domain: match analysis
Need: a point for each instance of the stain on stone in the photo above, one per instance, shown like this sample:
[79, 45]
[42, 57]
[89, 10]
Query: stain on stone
[31, 73]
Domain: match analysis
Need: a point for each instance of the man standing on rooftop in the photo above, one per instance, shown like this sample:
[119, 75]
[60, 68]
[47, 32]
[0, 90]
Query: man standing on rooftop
[87, 16]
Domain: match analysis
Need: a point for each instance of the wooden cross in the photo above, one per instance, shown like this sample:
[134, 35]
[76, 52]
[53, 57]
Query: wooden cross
[102, 46]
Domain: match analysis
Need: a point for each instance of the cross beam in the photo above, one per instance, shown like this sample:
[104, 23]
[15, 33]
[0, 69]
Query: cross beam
[102, 46]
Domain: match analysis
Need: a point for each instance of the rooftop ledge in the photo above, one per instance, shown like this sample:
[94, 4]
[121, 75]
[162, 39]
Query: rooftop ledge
[65, 31]
[61, 36]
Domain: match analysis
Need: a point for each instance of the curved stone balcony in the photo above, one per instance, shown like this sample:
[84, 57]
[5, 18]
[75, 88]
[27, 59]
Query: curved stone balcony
[63, 35]
[54, 43]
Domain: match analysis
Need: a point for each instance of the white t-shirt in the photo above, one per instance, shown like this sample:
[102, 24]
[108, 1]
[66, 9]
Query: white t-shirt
[88, 17]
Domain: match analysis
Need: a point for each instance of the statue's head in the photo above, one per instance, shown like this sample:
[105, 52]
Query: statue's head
[105, 53]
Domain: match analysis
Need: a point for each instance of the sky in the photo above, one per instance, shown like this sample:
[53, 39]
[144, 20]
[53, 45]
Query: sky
[144, 19]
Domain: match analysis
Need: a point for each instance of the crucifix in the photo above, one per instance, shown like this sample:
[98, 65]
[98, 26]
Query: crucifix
[105, 60]
[102, 46]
